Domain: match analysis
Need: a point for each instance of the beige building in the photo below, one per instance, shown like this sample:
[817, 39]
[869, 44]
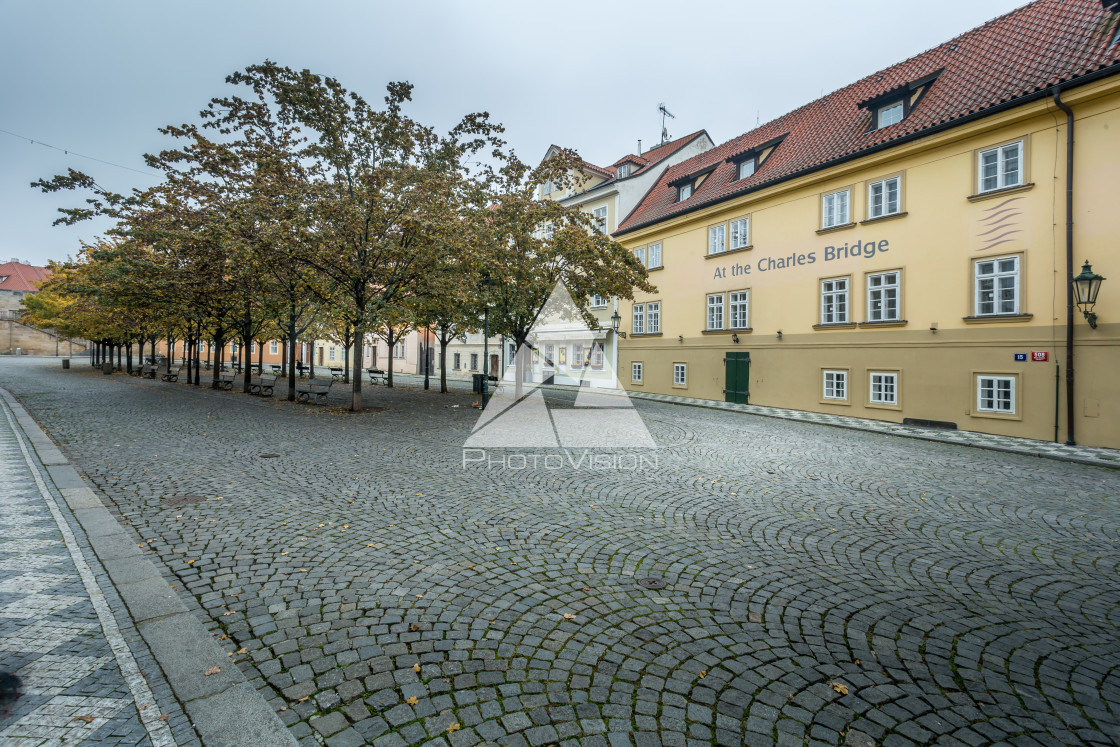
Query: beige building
[17, 281]
[897, 249]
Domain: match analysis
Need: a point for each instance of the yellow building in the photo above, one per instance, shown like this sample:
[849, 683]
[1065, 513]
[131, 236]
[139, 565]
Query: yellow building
[898, 248]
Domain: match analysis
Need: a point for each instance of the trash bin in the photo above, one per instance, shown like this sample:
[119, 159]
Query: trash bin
[477, 378]
[65, 363]
[107, 367]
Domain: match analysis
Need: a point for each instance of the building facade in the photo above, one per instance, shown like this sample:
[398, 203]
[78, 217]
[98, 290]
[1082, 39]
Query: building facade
[17, 281]
[897, 249]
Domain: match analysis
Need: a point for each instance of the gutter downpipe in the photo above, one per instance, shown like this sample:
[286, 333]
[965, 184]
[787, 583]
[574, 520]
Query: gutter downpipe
[1057, 91]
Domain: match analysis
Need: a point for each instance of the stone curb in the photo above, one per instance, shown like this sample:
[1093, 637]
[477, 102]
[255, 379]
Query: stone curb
[224, 708]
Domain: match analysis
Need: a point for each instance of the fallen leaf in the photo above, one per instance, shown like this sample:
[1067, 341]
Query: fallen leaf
[412, 701]
[703, 673]
[223, 637]
[305, 697]
[190, 562]
[212, 670]
[164, 717]
[453, 727]
[227, 614]
[569, 616]
[414, 627]
[283, 708]
[415, 667]
[856, 662]
[146, 705]
[87, 719]
[838, 687]
[242, 650]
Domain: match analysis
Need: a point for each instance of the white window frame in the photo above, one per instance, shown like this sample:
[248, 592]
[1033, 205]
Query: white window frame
[999, 157]
[879, 287]
[889, 110]
[474, 361]
[680, 374]
[654, 251]
[717, 239]
[835, 385]
[623, 170]
[640, 253]
[600, 220]
[547, 188]
[638, 325]
[741, 233]
[273, 347]
[330, 353]
[636, 371]
[739, 305]
[653, 318]
[577, 360]
[598, 302]
[879, 205]
[715, 311]
[836, 291]
[999, 402]
[996, 276]
[831, 204]
[747, 168]
[880, 385]
[234, 348]
[684, 192]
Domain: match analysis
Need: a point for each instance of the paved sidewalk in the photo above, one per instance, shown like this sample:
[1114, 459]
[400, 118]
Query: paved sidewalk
[103, 650]
[79, 665]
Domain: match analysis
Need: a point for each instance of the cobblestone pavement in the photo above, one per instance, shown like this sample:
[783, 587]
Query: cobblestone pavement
[79, 665]
[822, 586]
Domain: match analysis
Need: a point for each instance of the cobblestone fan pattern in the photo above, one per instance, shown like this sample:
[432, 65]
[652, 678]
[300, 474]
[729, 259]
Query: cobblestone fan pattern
[822, 586]
[51, 637]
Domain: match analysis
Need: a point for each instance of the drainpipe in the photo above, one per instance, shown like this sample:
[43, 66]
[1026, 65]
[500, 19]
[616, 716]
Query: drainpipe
[1057, 90]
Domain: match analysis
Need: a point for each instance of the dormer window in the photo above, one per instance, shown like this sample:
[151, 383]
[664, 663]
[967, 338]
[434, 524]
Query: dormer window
[624, 170]
[889, 115]
[684, 192]
[547, 188]
[746, 168]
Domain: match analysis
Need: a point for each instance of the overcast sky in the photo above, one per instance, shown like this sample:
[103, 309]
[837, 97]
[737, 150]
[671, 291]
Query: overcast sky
[98, 78]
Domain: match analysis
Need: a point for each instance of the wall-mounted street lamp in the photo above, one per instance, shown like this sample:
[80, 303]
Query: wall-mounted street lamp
[779, 334]
[735, 337]
[1086, 286]
[615, 321]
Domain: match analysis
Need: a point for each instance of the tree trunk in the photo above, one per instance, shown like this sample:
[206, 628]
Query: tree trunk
[247, 358]
[389, 370]
[219, 354]
[284, 358]
[291, 350]
[311, 358]
[128, 359]
[443, 364]
[346, 340]
[356, 388]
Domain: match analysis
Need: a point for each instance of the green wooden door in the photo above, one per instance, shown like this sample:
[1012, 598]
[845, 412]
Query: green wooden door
[737, 388]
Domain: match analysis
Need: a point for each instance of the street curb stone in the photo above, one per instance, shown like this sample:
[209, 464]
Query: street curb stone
[223, 707]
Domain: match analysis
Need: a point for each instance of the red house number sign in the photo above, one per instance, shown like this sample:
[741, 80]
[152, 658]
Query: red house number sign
[1040, 356]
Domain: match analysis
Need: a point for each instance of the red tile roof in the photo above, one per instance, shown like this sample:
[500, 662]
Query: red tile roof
[21, 277]
[656, 155]
[993, 66]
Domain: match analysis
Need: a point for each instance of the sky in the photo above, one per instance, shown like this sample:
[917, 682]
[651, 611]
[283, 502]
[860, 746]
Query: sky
[99, 79]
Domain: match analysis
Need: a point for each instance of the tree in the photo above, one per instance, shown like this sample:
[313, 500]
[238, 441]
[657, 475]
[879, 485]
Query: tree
[531, 245]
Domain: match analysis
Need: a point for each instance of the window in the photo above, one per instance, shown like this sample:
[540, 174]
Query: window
[577, 354]
[715, 311]
[740, 233]
[636, 372]
[884, 388]
[997, 286]
[834, 301]
[1001, 167]
[273, 347]
[366, 351]
[549, 231]
[598, 302]
[233, 347]
[330, 354]
[834, 209]
[684, 193]
[882, 197]
[549, 355]
[653, 317]
[641, 255]
[400, 350]
[547, 188]
[888, 115]
[835, 384]
[717, 239]
[639, 318]
[746, 168]
[253, 348]
[597, 356]
[474, 361]
[600, 216]
[738, 301]
[623, 170]
[654, 255]
[995, 394]
[680, 374]
[458, 362]
[882, 297]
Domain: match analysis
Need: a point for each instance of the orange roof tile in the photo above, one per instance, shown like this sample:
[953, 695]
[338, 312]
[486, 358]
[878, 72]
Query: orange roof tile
[20, 277]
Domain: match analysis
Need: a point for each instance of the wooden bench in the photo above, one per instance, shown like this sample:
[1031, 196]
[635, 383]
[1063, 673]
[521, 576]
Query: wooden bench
[375, 374]
[148, 371]
[336, 373]
[263, 385]
[172, 375]
[318, 387]
[225, 380]
[276, 368]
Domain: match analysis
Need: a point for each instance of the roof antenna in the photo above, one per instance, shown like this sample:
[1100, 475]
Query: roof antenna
[757, 117]
[664, 113]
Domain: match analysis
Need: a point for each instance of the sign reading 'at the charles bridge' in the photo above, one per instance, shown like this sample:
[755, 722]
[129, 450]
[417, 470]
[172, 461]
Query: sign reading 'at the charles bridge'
[866, 249]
